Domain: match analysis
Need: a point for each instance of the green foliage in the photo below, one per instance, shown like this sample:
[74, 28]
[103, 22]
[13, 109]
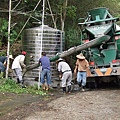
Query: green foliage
[72, 37]
[3, 53]
[3, 28]
[71, 12]
[4, 31]
[26, 1]
[13, 35]
[75, 9]
[9, 85]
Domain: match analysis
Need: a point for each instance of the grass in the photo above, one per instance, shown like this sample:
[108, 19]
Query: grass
[9, 85]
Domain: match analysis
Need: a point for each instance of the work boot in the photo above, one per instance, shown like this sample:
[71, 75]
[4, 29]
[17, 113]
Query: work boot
[83, 88]
[21, 84]
[64, 90]
[69, 89]
[18, 81]
[80, 87]
[79, 83]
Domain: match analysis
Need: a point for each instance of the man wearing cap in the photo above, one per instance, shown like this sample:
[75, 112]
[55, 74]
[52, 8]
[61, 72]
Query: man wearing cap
[17, 65]
[3, 64]
[65, 74]
[81, 68]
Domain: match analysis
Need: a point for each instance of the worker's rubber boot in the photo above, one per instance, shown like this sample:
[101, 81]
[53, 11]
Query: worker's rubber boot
[79, 86]
[64, 90]
[21, 84]
[69, 89]
[18, 81]
[83, 88]
[1, 74]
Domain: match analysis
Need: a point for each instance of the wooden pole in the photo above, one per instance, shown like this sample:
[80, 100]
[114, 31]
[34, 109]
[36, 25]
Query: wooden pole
[8, 47]
[43, 14]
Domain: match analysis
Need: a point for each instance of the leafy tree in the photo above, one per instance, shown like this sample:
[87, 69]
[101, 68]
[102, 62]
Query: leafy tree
[66, 14]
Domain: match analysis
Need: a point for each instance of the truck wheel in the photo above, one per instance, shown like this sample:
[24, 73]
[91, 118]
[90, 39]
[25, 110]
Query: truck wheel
[119, 82]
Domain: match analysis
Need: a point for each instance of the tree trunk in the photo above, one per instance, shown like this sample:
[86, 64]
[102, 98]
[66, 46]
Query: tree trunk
[63, 14]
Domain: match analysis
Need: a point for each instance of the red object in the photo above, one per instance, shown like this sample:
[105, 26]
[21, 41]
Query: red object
[86, 41]
[114, 61]
[117, 37]
[23, 52]
[92, 63]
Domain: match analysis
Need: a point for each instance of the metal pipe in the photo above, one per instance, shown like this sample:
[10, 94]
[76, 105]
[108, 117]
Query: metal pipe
[72, 50]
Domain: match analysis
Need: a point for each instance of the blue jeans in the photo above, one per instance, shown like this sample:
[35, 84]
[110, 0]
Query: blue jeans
[81, 77]
[45, 73]
[2, 67]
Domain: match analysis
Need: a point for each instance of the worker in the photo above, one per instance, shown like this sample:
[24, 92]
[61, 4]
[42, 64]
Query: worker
[45, 72]
[65, 73]
[3, 64]
[81, 70]
[17, 66]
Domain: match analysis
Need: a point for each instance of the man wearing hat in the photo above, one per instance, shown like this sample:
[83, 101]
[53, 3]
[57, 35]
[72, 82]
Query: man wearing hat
[3, 64]
[66, 75]
[81, 68]
[17, 65]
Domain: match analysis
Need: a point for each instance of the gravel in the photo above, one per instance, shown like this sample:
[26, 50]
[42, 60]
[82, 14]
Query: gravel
[89, 105]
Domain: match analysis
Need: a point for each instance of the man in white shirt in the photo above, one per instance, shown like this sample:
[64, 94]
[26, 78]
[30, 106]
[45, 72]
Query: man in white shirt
[65, 74]
[17, 65]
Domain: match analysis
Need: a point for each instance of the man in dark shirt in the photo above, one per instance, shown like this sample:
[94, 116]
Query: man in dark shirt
[45, 63]
[3, 64]
[3, 60]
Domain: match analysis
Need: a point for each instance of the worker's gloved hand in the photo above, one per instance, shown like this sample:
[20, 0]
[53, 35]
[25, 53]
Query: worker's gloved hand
[60, 76]
[24, 68]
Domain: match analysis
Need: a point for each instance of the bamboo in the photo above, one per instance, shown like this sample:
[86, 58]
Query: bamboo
[8, 47]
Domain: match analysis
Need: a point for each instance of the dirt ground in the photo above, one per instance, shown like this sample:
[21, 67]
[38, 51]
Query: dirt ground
[95, 104]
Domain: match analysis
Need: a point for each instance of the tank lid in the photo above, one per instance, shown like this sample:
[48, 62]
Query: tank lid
[45, 28]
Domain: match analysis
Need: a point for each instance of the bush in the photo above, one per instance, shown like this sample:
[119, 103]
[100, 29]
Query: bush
[9, 85]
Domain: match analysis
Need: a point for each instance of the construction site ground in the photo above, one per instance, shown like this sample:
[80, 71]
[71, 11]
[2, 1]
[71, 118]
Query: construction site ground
[93, 104]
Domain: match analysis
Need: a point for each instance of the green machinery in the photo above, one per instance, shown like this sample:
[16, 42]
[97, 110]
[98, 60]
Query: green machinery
[104, 58]
[99, 23]
[100, 43]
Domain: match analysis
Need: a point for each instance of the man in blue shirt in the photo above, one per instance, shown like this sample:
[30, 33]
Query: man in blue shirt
[45, 73]
[3, 64]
